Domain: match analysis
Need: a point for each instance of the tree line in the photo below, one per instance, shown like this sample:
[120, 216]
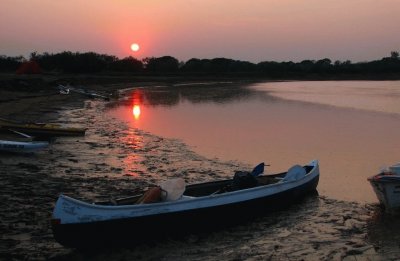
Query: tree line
[90, 62]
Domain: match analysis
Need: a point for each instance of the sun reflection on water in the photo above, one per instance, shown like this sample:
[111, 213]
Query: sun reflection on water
[131, 144]
[136, 111]
[137, 101]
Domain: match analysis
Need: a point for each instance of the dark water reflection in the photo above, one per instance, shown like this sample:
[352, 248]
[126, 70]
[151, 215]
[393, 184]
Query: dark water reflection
[173, 95]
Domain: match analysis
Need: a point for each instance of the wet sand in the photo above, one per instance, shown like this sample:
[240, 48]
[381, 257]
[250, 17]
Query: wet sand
[114, 161]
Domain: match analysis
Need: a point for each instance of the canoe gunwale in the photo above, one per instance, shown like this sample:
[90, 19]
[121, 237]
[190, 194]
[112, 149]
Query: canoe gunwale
[384, 178]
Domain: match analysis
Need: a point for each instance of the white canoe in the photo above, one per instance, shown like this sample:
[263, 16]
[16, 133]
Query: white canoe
[203, 206]
[22, 146]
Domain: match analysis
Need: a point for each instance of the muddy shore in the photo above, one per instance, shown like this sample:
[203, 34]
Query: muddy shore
[95, 168]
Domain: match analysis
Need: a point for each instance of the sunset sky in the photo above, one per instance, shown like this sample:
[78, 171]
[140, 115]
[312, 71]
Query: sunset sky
[256, 30]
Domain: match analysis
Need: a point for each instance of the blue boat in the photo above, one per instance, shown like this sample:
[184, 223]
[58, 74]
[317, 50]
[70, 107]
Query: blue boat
[196, 208]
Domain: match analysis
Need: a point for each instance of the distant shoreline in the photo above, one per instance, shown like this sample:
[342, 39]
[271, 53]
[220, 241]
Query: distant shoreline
[17, 82]
[27, 96]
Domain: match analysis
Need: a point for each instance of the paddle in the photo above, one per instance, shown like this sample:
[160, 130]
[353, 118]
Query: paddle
[259, 169]
[20, 133]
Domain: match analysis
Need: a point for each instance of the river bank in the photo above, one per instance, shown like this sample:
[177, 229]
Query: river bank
[114, 160]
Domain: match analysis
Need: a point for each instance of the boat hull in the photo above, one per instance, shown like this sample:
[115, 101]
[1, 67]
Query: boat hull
[38, 129]
[18, 146]
[48, 131]
[387, 190]
[194, 219]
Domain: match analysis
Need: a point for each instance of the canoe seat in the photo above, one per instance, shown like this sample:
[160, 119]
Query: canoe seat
[152, 195]
[294, 173]
[243, 180]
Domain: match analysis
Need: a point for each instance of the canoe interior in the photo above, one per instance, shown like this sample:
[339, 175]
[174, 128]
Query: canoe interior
[205, 189]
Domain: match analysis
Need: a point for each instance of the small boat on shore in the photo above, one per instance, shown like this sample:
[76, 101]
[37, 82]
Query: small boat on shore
[22, 146]
[386, 186]
[18, 142]
[40, 129]
[88, 93]
[195, 208]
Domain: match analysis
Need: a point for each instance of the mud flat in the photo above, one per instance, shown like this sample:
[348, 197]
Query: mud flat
[115, 160]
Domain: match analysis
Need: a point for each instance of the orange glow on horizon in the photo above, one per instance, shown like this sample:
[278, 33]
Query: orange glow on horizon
[136, 111]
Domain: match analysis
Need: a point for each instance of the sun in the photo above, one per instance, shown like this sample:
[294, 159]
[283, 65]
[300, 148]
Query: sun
[135, 47]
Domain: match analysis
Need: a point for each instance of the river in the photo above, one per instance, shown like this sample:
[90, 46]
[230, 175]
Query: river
[351, 127]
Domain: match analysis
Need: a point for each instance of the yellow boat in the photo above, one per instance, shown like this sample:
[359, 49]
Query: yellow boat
[40, 129]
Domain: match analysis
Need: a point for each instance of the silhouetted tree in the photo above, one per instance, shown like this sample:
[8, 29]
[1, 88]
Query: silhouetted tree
[162, 64]
[394, 55]
[128, 64]
[193, 65]
[306, 66]
[271, 68]
[323, 66]
[91, 62]
[10, 64]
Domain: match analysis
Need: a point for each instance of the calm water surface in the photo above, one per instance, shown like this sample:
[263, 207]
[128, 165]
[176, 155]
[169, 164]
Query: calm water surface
[351, 127]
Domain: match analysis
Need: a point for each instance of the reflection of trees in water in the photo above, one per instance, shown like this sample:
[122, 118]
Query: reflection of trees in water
[215, 93]
[210, 93]
[164, 97]
[195, 93]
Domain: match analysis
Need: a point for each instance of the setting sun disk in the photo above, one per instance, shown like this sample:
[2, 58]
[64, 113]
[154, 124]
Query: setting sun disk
[135, 47]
